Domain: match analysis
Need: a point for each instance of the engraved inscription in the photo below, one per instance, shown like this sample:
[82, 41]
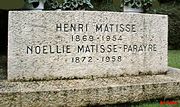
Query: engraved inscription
[101, 43]
[47, 45]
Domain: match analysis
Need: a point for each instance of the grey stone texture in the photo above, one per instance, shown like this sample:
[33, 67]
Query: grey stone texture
[83, 92]
[123, 44]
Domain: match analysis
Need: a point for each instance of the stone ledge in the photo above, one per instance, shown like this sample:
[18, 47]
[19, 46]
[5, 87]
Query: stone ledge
[89, 92]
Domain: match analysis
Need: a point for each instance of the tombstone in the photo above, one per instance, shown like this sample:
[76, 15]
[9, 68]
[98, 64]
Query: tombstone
[84, 58]
[58, 45]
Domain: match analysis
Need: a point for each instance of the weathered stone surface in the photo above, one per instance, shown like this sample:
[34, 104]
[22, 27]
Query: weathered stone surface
[82, 92]
[123, 44]
[10, 100]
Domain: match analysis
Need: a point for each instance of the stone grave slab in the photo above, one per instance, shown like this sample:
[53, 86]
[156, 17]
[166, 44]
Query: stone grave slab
[45, 45]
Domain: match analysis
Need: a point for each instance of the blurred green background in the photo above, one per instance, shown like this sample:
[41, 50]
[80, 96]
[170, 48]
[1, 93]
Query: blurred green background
[11, 4]
[14, 4]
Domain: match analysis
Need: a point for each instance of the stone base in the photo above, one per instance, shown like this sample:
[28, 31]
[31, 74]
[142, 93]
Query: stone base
[89, 92]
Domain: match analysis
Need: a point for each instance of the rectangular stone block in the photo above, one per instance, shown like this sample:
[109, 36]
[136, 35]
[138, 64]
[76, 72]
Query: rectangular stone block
[84, 44]
[90, 92]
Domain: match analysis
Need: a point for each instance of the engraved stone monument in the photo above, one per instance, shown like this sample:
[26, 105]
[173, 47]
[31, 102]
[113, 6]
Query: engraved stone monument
[84, 58]
[48, 45]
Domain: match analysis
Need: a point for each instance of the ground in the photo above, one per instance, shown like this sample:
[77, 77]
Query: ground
[174, 58]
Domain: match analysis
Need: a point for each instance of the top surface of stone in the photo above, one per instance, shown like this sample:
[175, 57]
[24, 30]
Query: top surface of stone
[82, 44]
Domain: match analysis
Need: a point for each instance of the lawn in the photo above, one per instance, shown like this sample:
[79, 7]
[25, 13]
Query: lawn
[174, 58]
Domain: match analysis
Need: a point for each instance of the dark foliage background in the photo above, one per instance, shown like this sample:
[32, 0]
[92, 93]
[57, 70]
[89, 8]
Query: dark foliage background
[3, 31]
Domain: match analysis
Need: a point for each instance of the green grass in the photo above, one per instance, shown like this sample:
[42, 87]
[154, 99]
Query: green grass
[157, 105]
[174, 58]
[150, 103]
